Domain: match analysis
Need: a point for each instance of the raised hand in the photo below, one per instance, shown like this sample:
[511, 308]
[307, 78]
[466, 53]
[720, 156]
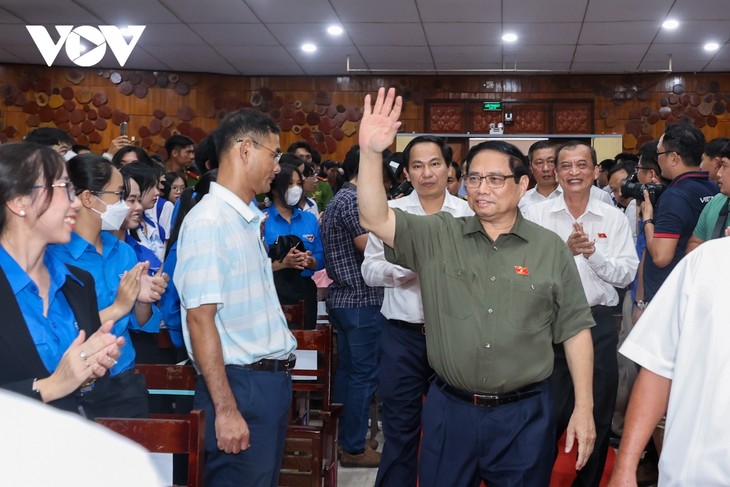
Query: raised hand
[379, 122]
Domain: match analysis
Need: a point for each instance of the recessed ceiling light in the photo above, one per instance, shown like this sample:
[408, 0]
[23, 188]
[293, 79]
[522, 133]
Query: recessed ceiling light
[712, 46]
[509, 37]
[334, 30]
[308, 47]
[670, 24]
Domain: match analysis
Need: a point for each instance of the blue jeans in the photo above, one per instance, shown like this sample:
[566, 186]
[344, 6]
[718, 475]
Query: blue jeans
[358, 335]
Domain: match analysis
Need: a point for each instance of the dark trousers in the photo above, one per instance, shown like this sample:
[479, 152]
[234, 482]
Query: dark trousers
[263, 399]
[507, 445]
[121, 396]
[605, 385]
[404, 374]
[356, 379]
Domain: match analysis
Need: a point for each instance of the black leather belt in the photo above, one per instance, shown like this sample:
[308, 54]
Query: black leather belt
[419, 327]
[488, 399]
[269, 365]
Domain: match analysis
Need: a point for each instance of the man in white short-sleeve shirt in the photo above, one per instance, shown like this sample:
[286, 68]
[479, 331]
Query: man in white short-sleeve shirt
[681, 343]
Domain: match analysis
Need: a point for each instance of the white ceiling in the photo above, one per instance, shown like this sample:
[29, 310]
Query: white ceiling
[263, 37]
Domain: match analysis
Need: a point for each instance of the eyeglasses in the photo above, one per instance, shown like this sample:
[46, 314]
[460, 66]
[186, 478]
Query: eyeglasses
[664, 152]
[494, 181]
[277, 155]
[177, 189]
[117, 193]
[70, 190]
[313, 177]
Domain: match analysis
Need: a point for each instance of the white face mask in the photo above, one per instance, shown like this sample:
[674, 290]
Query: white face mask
[293, 195]
[114, 215]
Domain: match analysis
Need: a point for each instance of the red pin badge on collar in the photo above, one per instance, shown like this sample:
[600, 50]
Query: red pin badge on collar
[521, 271]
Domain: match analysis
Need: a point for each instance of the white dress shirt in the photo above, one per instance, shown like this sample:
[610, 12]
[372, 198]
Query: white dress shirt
[532, 197]
[614, 262]
[402, 299]
[683, 336]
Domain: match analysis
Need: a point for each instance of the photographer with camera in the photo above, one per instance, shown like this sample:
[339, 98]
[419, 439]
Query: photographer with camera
[679, 153]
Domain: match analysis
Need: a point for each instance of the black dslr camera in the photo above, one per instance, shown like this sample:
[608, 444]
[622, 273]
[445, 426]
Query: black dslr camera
[632, 188]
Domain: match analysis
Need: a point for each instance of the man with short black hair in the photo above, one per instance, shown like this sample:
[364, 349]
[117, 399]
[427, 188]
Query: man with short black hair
[454, 179]
[542, 164]
[602, 246]
[301, 149]
[235, 331]
[404, 368]
[497, 291]
[354, 310]
[679, 154]
[180, 157]
[712, 156]
[53, 137]
[714, 219]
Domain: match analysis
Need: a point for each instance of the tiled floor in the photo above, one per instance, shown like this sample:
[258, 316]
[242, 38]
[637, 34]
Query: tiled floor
[359, 477]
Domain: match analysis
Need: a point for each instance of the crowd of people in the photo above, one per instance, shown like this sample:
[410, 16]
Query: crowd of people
[496, 305]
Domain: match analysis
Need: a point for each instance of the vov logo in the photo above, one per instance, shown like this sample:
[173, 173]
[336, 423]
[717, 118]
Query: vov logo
[86, 45]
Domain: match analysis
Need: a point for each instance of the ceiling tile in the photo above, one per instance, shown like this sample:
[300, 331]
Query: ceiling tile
[60, 12]
[248, 61]
[331, 55]
[302, 11]
[629, 53]
[129, 12]
[546, 53]
[697, 31]
[600, 67]
[292, 34]
[463, 34]
[518, 11]
[9, 57]
[377, 55]
[467, 54]
[375, 34]
[604, 11]
[459, 10]
[192, 58]
[235, 34]
[169, 35]
[376, 11]
[8, 18]
[624, 32]
[195, 11]
[540, 33]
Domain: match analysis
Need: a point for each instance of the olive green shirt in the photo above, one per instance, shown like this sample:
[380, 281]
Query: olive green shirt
[322, 195]
[492, 309]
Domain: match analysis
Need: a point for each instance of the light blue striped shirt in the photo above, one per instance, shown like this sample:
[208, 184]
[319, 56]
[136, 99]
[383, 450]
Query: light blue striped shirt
[222, 261]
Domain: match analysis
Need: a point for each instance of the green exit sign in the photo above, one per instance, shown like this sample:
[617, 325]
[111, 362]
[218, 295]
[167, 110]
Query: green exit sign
[492, 106]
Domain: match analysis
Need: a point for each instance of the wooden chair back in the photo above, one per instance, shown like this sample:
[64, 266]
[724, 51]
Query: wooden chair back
[319, 340]
[168, 377]
[183, 434]
[294, 314]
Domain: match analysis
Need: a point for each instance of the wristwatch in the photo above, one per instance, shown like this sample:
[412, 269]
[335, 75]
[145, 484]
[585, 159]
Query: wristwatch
[641, 304]
[649, 220]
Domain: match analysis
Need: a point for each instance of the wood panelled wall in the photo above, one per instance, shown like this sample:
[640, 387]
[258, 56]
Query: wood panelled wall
[91, 103]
